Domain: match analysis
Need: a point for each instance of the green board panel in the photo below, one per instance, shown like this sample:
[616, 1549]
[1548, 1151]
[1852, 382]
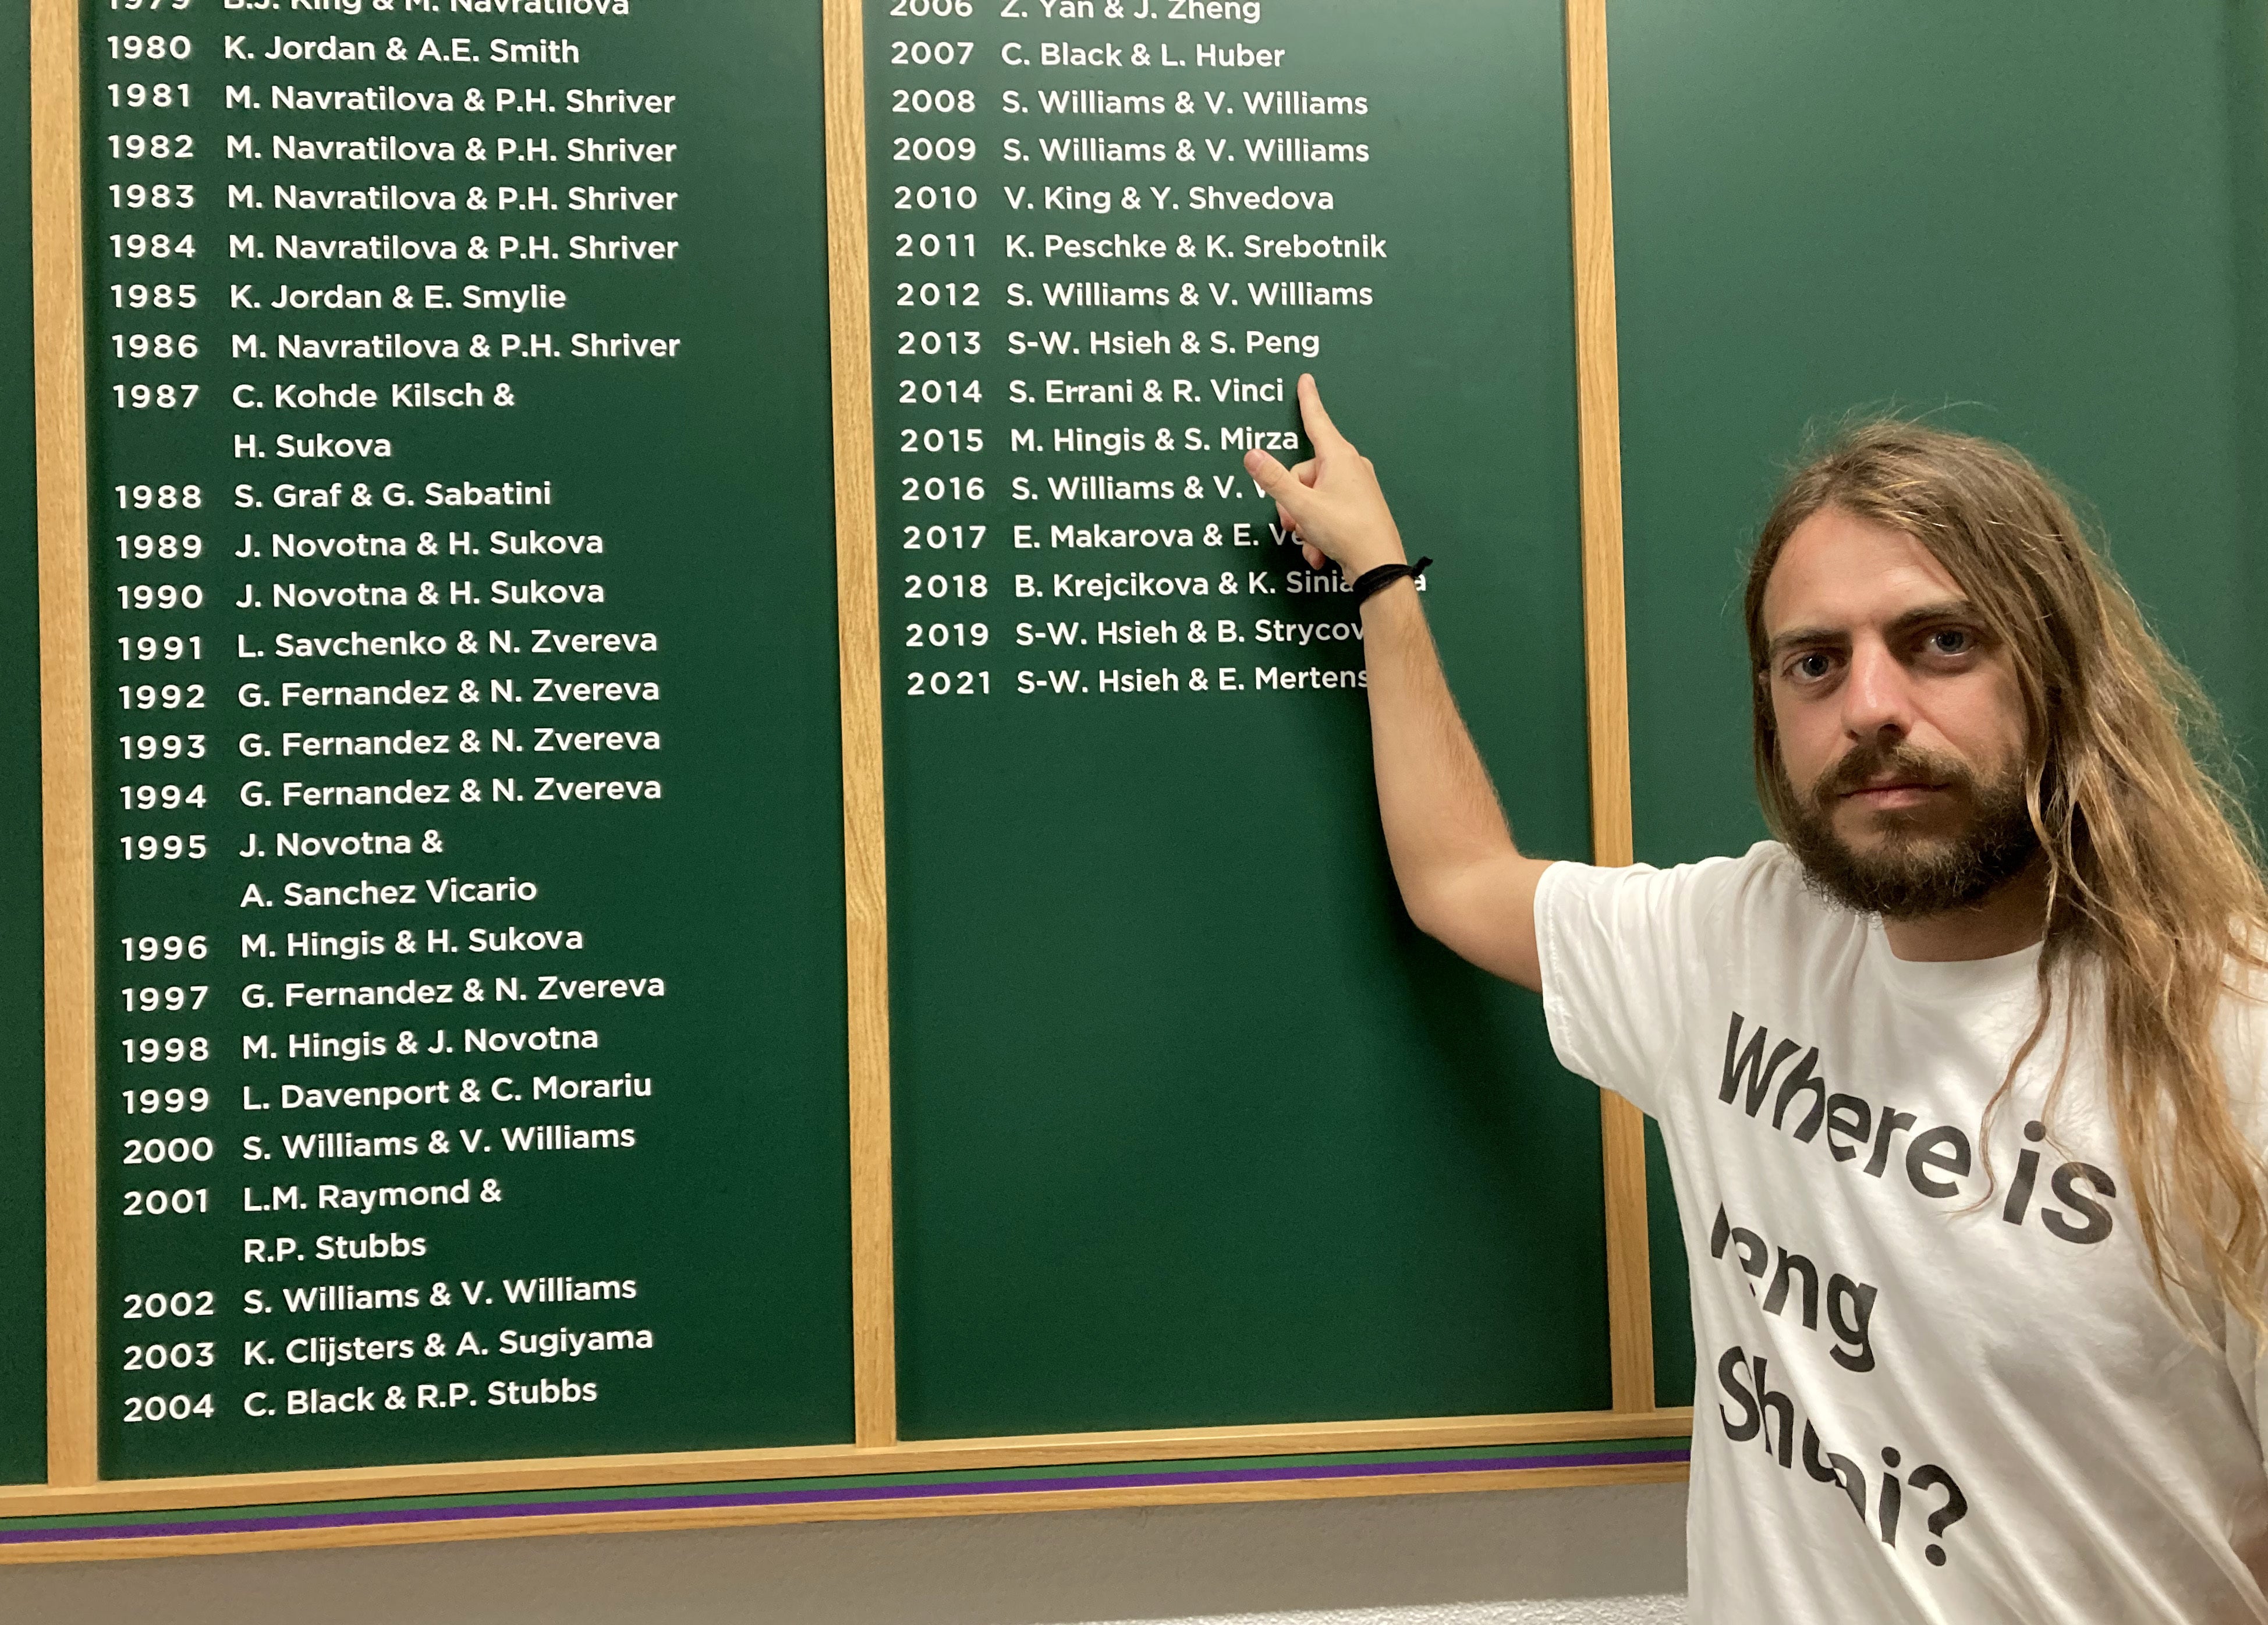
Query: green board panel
[1192, 1126]
[488, 737]
[2039, 222]
[23, 1263]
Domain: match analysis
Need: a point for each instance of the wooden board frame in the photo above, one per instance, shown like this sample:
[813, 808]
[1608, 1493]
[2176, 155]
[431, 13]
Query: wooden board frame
[873, 1259]
[74, 1486]
[1606, 670]
[66, 738]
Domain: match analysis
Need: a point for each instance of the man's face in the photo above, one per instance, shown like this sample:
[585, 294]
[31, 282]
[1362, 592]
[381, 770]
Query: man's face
[1901, 728]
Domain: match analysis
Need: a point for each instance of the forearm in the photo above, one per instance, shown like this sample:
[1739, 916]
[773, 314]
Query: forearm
[1462, 878]
[1442, 819]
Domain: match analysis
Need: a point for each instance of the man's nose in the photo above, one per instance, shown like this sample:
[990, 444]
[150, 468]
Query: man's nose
[1877, 699]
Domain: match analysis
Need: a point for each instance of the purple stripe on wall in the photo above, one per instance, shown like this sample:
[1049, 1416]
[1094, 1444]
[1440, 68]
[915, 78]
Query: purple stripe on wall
[347, 1520]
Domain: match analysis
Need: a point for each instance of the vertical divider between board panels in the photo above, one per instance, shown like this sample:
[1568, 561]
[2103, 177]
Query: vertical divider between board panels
[66, 741]
[874, 1278]
[1622, 1128]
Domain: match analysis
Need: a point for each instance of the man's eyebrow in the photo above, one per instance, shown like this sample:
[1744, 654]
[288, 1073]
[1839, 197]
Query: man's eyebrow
[1948, 609]
[1802, 637]
[1921, 614]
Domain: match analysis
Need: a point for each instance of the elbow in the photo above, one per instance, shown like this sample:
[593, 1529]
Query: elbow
[1430, 912]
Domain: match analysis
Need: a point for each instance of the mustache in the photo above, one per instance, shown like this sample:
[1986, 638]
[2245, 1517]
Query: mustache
[1869, 762]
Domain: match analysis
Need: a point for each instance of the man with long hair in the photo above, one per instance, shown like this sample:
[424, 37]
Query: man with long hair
[1959, 1077]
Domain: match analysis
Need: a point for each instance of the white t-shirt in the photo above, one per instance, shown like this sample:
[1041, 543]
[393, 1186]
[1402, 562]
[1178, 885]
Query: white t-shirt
[1876, 1351]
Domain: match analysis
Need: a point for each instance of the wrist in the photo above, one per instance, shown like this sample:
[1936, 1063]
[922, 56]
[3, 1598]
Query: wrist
[1379, 577]
[1355, 565]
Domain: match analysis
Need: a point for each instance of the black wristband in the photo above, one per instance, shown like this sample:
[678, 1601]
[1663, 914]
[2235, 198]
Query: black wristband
[1385, 575]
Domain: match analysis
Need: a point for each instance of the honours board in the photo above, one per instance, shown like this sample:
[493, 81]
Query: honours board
[469, 902]
[23, 1264]
[727, 853]
[1193, 1127]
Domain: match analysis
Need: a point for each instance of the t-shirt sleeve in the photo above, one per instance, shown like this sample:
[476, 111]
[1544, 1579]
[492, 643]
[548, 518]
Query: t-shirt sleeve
[1619, 951]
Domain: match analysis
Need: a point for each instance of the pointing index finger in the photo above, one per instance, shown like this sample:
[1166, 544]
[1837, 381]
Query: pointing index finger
[1320, 430]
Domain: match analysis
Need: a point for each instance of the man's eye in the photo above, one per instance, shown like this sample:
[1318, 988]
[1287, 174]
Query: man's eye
[1951, 640]
[1810, 667]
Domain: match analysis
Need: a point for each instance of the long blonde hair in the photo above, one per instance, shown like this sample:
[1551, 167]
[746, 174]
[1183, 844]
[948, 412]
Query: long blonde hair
[2154, 875]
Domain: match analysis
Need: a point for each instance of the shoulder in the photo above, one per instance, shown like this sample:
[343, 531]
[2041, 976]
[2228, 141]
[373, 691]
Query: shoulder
[1627, 956]
[1764, 885]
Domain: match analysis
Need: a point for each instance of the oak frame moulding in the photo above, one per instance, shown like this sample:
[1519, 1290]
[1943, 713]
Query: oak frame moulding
[74, 1487]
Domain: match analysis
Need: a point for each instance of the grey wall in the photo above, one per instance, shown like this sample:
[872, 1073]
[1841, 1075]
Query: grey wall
[1611, 1556]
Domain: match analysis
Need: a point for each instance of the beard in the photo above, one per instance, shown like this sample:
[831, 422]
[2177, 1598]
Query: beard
[1915, 870]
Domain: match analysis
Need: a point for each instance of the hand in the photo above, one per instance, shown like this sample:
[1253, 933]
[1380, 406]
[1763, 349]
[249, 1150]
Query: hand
[1331, 502]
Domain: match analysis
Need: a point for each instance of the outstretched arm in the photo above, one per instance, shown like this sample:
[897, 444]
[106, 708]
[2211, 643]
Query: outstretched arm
[1462, 878]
